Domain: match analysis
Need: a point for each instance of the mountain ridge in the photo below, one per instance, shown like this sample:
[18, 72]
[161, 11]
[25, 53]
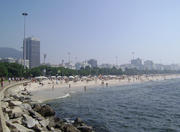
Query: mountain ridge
[6, 52]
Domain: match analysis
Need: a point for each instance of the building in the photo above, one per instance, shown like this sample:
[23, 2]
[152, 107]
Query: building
[31, 51]
[92, 62]
[9, 60]
[106, 66]
[69, 65]
[148, 65]
[137, 63]
[21, 62]
[78, 65]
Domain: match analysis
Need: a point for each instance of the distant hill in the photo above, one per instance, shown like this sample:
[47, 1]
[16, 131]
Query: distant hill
[10, 52]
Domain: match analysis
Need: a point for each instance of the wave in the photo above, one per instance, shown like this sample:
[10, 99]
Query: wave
[65, 96]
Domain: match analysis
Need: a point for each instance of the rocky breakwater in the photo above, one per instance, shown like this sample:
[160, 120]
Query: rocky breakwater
[21, 115]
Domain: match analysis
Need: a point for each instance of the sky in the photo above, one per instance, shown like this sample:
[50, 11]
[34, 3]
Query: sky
[99, 29]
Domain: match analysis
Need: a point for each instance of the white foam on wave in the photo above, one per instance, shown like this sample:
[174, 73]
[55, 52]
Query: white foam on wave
[65, 96]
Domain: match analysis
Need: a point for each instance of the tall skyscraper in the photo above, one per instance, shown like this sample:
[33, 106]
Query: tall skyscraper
[92, 62]
[31, 51]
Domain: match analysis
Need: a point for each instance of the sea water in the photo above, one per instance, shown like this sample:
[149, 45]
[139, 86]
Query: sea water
[147, 107]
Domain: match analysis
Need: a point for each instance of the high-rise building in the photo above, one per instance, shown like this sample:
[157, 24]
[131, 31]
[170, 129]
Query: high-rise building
[31, 51]
[92, 62]
[137, 63]
[148, 65]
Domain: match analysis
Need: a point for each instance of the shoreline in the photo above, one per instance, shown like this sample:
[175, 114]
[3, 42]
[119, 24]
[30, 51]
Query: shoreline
[22, 111]
[20, 114]
[53, 89]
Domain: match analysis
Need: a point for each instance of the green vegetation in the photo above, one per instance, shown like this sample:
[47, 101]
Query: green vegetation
[16, 70]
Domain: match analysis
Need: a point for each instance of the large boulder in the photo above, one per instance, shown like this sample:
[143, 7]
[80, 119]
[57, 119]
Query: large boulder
[44, 123]
[16, 109]
[85, 129]
[26, 106]
[78, 122]
[15, 103]
[4, 104]
[55, 122]
[29, 121]
[38, 128]
[15, 112]
[36, 107]
[36, 115]
[70, 128]
[17, 120]
[15, 127]
[44, 110]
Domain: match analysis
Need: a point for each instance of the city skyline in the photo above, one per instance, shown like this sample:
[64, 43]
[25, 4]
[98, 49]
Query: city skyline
[96, 29]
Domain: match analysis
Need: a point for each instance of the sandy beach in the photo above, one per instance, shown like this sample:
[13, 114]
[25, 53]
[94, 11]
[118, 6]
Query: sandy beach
[49, 89]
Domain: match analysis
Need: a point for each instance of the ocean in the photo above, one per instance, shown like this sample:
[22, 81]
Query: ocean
[147, 107]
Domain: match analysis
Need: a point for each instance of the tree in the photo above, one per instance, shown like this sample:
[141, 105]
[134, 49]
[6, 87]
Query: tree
[3, 71]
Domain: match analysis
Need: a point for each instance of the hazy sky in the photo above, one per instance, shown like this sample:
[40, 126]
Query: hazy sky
[100, 29]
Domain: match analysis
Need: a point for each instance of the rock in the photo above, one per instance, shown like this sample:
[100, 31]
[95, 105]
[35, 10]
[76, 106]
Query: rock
[70, 128]
[21, 98]
[16, 115]
[55, 122]
[78, 122]
[17, 120]
[15, 112]
[36, 115]
[29, 121]
[6, 100]
[4, 104]
[15, 96]
[36, 107]
[26, 106]
[24, 92]
[52, 128]
[44, 123]
[38, 128]
[17, 127]
[6, 116]
[85, 129]
[44, 110]
[56, 130]
[7, 110]
[15, 103]
[21, 128]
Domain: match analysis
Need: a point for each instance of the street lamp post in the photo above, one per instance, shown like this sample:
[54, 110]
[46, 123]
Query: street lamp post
[24, 45]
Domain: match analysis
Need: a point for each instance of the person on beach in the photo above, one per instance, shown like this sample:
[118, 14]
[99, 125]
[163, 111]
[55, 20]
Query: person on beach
[52, 85]
[9, 80]
[106, 84]
[85, 88]
[2, 82]
[102, 83]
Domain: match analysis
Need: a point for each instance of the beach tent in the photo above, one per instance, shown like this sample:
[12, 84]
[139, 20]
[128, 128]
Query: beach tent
[53, 77]
[41, 77]
[71, 77]
[59, 76]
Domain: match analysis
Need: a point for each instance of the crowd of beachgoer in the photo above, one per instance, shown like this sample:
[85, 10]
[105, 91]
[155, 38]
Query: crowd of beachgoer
[10, 79]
